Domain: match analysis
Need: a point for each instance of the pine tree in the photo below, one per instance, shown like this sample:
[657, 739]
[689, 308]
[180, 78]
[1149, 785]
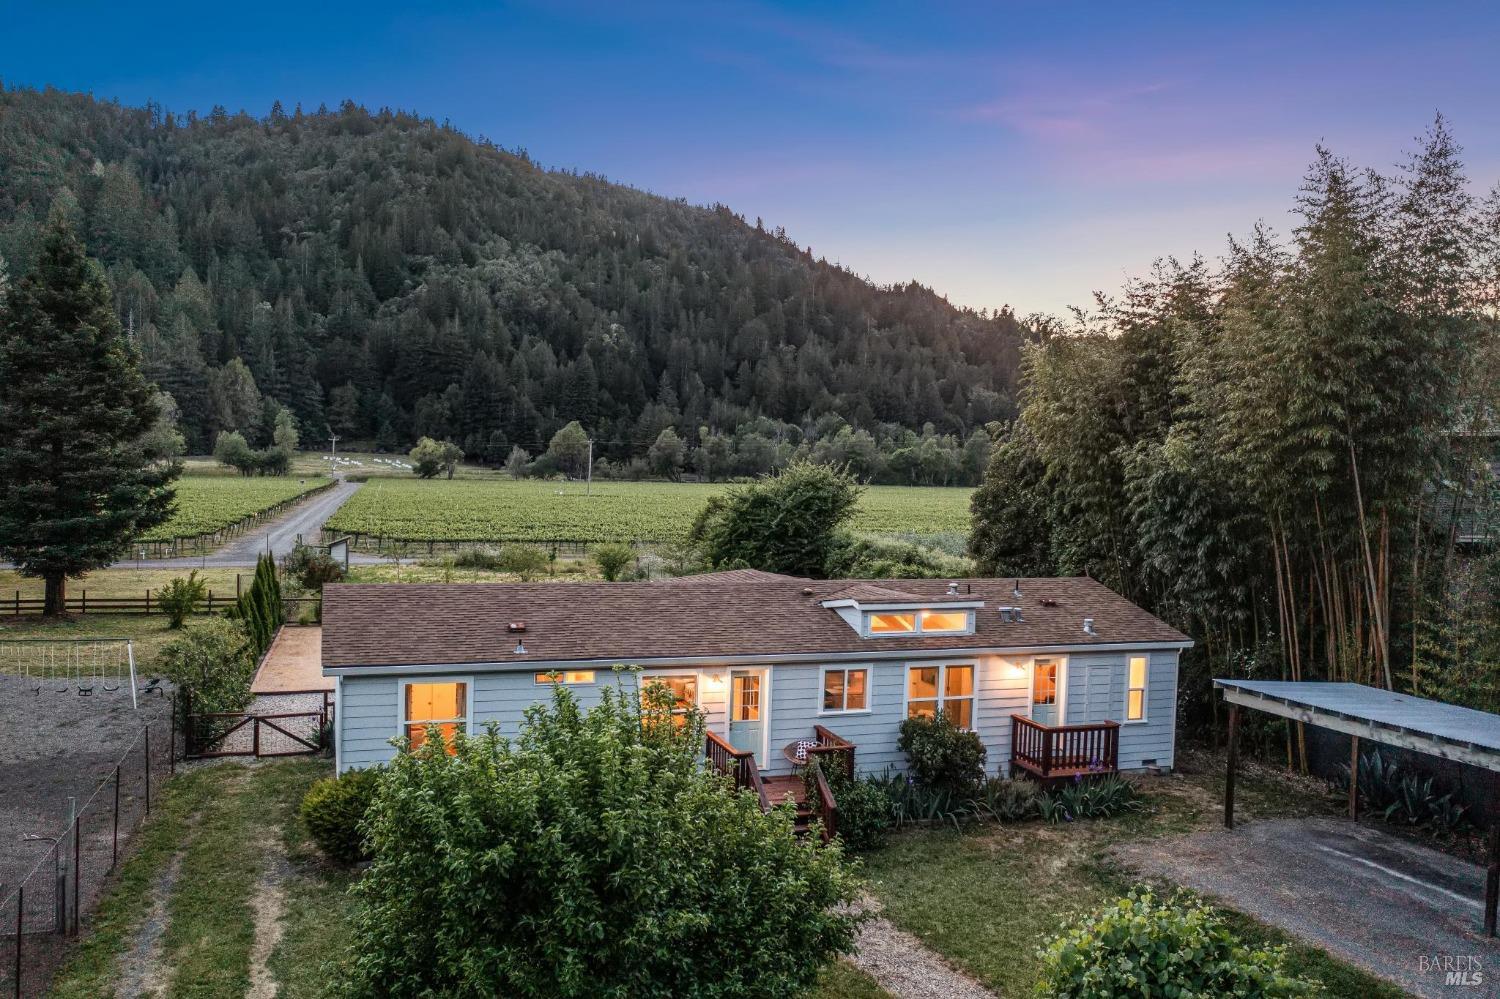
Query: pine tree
[79, 474]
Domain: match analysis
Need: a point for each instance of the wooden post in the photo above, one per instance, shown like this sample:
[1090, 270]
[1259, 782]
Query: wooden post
[1234, 731]
[1492, 882]
[1354, 776]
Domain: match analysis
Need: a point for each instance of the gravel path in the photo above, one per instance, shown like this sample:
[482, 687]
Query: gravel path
[306, 520]
[905, 966]
[1379, 902]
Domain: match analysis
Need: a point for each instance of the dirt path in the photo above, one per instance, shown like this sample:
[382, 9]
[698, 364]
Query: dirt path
[141, 969]
[905, 966]
[269, 906]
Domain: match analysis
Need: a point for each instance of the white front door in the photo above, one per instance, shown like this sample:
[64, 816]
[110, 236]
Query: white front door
[1046, 691]
[747, 712]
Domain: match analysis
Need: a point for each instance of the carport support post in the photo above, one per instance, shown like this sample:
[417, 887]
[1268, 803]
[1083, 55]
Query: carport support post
[1354, 776]
[1492, 882]
[1234, 753]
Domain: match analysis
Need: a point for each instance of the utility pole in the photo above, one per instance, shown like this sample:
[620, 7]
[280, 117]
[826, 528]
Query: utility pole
[588, 489]
[333, 443]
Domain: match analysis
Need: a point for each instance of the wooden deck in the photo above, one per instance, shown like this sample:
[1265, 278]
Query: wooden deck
[1062, 752]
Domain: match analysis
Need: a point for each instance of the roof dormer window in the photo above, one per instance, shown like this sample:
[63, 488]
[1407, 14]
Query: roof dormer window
[919, 622]
[876, 611]
[892, 624]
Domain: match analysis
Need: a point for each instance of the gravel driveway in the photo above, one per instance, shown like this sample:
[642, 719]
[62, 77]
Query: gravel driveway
[1377, 901]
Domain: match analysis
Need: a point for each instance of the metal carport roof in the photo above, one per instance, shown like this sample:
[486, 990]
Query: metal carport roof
[1448, 731]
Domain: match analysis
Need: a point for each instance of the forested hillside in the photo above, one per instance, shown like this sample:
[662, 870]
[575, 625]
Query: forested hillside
[388, 277]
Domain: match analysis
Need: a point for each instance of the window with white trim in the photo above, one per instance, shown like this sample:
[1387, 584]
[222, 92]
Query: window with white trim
[845, 689]
[1135, 690]
[949, 689]
[444, 706]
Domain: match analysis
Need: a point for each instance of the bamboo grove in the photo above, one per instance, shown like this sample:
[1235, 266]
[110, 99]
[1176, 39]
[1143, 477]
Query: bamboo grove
[1288, 455]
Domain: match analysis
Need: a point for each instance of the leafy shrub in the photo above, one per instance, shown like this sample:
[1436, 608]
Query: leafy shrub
[1088, 798]
[526, 561]
[477, 558]
[334, 810]
[179, 597]
[212, 663]
[613, 560]
[864, 556]
[1008, 800]
[783, 522]
[866, 811]
[1143, 946]
[594, 855]
[312, 568]
[942, 755]
[917, 804]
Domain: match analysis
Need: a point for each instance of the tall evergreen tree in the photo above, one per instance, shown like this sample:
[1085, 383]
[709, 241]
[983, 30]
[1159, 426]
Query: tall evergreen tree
[80, 473]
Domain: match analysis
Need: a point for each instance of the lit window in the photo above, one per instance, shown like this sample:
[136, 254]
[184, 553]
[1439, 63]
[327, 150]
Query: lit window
[684, 690]
[892, 624]
[846, 689]
[1135, 693]
[1044, 682]
[568, 676]
[441, 705]
[949, 689]
[945, 621]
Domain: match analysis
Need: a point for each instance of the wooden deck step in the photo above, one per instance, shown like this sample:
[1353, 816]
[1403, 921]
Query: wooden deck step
[779, 789]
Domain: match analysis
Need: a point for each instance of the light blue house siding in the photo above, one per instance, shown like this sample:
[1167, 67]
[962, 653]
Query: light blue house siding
[369, 707]
[368, 713]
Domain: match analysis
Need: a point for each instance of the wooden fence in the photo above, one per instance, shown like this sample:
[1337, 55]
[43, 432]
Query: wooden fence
[147, 603]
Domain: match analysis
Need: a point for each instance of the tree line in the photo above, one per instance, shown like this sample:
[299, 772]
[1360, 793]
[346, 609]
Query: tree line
[1289, 455]
[383, 277]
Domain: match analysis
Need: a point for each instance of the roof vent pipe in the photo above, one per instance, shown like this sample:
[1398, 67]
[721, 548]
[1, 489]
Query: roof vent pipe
[1088, 626]
[952, 589]
[1016, 590]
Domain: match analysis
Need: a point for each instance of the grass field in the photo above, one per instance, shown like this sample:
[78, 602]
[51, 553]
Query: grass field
[207, 503]
[506, 510]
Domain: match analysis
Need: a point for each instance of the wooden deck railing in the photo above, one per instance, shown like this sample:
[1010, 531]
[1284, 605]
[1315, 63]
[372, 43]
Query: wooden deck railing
[832, 751]
[1051, 751]
[825, 807]
[737, 763]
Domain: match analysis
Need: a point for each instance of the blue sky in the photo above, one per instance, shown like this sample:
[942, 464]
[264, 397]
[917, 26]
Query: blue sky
[1004, 153]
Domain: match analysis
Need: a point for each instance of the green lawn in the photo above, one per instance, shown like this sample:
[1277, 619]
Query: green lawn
[989, 898]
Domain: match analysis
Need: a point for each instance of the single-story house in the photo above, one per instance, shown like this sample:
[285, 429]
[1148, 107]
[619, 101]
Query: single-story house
[1057, 676]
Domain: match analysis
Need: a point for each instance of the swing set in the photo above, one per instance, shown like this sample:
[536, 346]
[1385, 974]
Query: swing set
[72, 665]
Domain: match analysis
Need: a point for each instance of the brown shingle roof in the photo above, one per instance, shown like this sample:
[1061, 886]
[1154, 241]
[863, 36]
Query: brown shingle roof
[714, 615]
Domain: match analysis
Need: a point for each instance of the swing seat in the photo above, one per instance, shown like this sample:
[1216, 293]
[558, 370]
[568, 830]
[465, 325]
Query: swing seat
[85, 691]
